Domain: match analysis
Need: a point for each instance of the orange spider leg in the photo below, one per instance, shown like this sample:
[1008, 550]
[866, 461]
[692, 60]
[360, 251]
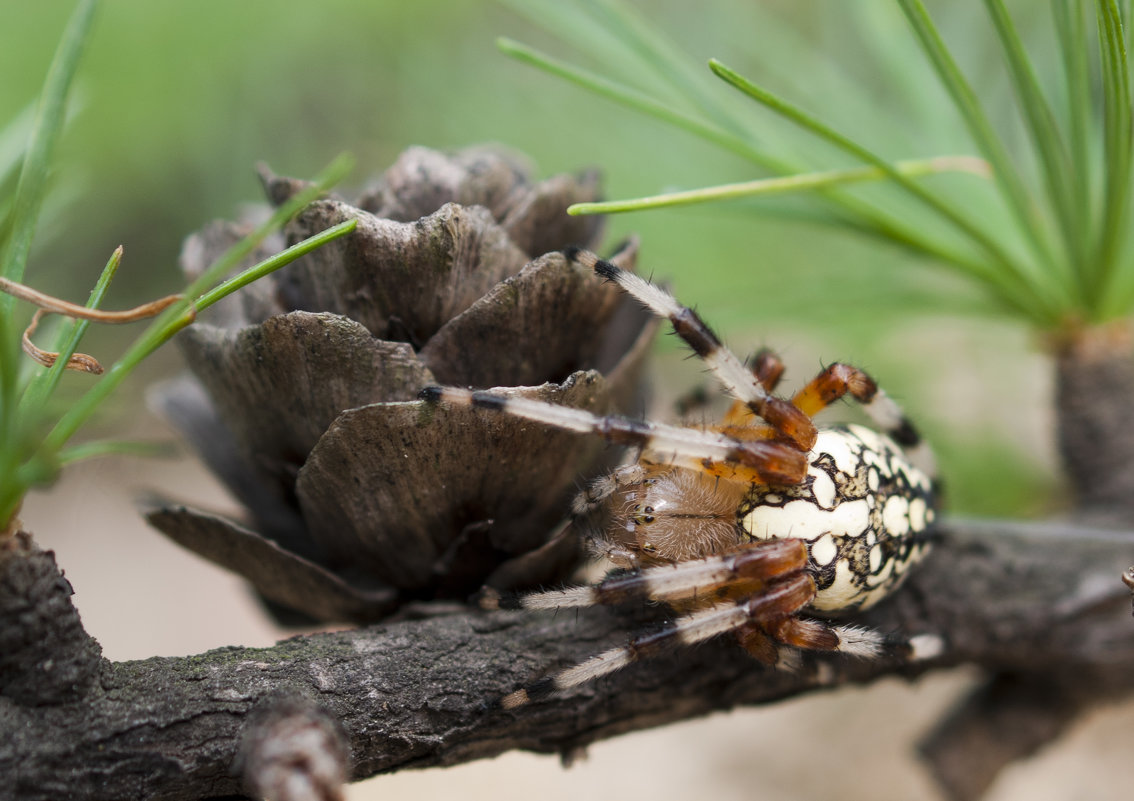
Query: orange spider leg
[768, 369]
[839, 380]
[763, 641]
[809, 634]
[776, 465]
[832, 384]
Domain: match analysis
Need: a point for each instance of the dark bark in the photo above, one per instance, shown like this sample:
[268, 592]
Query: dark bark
[1042, 602]
[46, 657]
[1094, 392]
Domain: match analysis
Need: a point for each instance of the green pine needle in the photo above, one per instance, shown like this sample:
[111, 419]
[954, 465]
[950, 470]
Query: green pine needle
[1052, 250]
[788, 184]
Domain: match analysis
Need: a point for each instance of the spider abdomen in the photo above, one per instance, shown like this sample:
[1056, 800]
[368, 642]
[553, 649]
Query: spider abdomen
[863, 509]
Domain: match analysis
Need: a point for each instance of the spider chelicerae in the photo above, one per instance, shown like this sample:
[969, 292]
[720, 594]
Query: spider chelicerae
[746, 526]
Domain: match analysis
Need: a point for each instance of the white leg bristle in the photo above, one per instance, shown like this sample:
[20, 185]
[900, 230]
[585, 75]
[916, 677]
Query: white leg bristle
[555, 599]
[600, 665]
[860, 642]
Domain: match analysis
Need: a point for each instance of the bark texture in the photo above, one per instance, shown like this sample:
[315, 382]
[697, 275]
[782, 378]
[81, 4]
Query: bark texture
[1094, 392]
[46, 657]
[1040, 602]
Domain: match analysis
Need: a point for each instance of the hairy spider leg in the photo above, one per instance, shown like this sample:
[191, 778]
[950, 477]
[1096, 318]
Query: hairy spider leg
[781, 600]
[839, 380]
[832, 384]
[695, 582]
[764, 578]
[763, 641]
[768, 369]
[765, 365]
[772, 609]
[723, 363]
[755, 462]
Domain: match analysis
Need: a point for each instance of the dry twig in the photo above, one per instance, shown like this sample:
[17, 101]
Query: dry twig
[49, 304]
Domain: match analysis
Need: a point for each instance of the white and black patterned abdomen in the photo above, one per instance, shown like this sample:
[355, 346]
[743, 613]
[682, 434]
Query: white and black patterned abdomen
[863, 509]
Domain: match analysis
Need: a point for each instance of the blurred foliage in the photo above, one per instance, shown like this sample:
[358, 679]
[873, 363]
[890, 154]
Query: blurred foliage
[35, 428]
[1043, 233]
[178, 101]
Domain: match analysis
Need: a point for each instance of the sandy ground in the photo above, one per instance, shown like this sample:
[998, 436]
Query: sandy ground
[142, 596]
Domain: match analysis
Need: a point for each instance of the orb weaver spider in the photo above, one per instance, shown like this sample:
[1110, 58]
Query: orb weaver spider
[743, 527]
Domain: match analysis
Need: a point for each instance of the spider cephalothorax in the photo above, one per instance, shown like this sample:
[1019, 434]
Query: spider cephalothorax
[746, 526]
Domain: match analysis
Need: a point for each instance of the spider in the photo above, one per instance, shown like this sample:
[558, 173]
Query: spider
[743, 527]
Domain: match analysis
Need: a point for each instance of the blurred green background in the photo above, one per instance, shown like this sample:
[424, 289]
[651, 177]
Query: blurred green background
[178, 101]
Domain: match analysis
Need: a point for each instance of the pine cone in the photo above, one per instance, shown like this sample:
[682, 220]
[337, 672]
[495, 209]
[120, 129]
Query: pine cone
[303, 397]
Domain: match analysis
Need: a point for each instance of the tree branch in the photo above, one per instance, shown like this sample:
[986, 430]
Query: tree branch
[1036, 600]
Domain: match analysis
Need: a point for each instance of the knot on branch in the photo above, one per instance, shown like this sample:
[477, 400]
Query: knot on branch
[46, 657]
